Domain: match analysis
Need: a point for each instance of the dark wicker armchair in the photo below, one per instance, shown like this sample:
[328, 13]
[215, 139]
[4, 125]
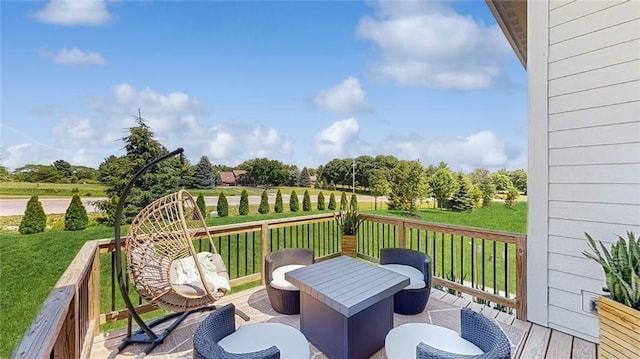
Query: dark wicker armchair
[409, 301]
[479, 330]
[216, 326]
[285, 300]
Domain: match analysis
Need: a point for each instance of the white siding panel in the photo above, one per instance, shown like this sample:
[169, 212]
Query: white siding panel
[578, 9]
[606, 76]
[606, 115]
[592, 136]
[570, 264]
[567, 246]
[593, 337]
[609, 154]
[554, 4]
[573, 233]
[622, 214]
[608, 56]
[575, 283]
[600, 193]
[595, 21]
[609, 95]
[567, 300]
[582, 323]
[627, 173]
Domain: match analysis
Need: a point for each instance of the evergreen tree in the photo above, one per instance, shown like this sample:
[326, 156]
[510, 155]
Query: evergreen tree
[332, 186]
[141, 147]
[321, 201]
[343, 201]
[34, 219]
[202, 206]
[75, 218]
[294, 204]
[223, 206]
[203, 174]
[462, 201]
[244, 203]
[305, 178]
[332, 202]
[279, 207]
[306, 202]
[264, 203]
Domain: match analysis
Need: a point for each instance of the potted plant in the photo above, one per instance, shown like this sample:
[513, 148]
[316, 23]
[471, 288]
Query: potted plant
[619, 310]
[348, 224]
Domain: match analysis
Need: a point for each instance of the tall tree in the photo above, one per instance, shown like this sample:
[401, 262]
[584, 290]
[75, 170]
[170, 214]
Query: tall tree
[63, 168]
[462, 201]
[332, 201]
[519, 179]
[305, 178]
[408, 185]
[343, 201]
[443, 184]
[202, 206]
[478, 175]
[203, 174]
[321, 204]
[223, 205]
[379, 185]
[141, 147]
[306, 201]
[488, 190]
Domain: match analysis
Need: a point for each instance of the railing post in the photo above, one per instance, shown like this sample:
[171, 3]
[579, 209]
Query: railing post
[401, 236]
[264, 237]
[94, 292]
[521, 277]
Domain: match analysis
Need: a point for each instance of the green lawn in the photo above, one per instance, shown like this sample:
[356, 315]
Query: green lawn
[30, 265]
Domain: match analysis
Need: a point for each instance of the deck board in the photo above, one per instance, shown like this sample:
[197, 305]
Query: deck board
[527, 340]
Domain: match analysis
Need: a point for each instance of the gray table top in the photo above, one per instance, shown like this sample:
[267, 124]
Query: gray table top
[346, 284]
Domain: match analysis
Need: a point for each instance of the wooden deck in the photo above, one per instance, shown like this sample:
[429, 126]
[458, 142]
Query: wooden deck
[528, 340]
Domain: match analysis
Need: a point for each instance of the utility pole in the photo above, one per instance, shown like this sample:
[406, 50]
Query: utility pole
[353, 175]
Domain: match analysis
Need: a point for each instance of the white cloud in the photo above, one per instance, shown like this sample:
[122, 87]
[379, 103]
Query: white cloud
[74, 12]
[424, 43]
[74, 132]
[484, 149]
[345, 98]
[75, 57]
[234, 142]
[334, 140]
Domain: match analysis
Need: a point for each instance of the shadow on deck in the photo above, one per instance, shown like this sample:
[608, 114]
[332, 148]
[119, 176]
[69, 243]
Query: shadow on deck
[527, 340]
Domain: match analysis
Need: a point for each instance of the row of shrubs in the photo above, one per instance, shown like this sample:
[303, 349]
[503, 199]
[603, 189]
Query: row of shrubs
[263, 208]
[35, 220]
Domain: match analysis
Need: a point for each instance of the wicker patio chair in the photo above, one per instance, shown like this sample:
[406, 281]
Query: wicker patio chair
[479, 330]
[214, 328]
[284, 296]
[413, 299]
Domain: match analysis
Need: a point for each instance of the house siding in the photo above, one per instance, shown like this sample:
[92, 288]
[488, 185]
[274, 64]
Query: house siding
[592, 147]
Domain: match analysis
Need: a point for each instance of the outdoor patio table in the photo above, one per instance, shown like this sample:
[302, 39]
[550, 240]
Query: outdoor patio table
[346, 305]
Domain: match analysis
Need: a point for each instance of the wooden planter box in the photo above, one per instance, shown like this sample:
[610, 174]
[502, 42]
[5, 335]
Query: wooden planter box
[348, 245]
[619, 330]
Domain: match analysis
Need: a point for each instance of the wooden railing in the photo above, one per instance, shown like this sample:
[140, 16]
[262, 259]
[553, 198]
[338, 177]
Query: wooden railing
[71, 316]
[488, 265]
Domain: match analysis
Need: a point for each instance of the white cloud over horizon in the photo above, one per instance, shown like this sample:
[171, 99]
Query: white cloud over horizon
[346, 98]
[334, 140]
[74, 57]
[430, 44]
[74, 12]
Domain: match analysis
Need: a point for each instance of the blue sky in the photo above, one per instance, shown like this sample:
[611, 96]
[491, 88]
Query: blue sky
[299, 81]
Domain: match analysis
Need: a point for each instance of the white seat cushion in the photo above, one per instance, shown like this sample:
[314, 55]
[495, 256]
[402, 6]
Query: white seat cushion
[278, 280]
[401, 342]
[416, 277]
[253, 337]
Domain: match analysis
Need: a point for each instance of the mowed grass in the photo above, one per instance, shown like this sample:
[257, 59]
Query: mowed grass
[28, 189]
[30, 265]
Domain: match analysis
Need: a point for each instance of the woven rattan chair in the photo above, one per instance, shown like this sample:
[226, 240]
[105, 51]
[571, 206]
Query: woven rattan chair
[479, 330]
[217, 326]
[160, 242]
[285, 300]
[409, 301]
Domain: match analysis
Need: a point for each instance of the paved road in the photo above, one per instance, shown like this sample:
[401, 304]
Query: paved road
[16, 206]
